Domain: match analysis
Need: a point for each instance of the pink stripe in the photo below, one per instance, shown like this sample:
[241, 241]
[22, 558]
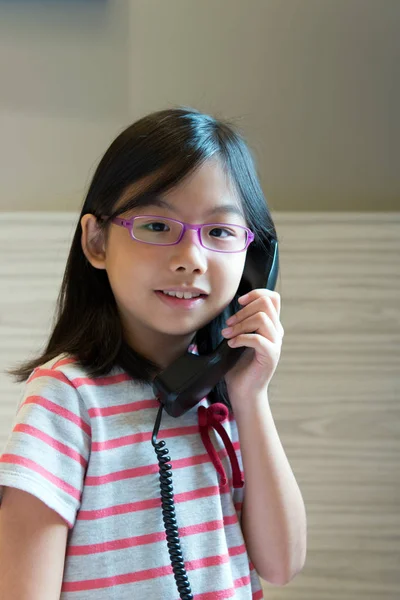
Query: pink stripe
[50, 373]
[101, 381]
[139, 540]
[119, 475]
[212, 561]
[242, 581]
[236, 550]
[145, 575]
[58, 410]
[179, 463]
[217, 595]
[120, 509]
[108, 411]
[30, 464]
[151, 538]
[47, 439]
[107, 582]
[144, 436]
[78, 381]
[227, 593]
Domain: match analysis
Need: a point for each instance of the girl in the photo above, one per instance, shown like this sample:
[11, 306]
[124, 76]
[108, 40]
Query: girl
[81, 514]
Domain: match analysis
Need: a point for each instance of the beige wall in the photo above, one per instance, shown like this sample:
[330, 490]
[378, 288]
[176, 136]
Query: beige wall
[63, 97]
[313, 83]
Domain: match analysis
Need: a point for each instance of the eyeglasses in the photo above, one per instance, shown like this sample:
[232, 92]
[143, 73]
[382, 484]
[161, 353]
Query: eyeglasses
[219, 237]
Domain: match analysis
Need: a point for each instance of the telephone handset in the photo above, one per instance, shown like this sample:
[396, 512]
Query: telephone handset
[189, 379]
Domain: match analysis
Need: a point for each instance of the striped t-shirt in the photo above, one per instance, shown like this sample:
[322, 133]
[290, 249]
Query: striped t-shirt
[83, 447]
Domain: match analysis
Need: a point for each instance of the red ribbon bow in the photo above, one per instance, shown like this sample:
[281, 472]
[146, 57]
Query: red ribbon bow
[213, 416]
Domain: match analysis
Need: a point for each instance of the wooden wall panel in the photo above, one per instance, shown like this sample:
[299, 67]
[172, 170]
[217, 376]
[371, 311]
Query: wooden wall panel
[335, 395]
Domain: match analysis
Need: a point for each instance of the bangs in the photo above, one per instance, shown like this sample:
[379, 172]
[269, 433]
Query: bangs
[158, 183]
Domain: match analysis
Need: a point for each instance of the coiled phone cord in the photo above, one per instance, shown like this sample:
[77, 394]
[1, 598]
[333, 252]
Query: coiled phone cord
[169, 516]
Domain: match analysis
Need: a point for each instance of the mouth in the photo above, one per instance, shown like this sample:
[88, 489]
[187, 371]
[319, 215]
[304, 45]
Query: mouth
[174, 301]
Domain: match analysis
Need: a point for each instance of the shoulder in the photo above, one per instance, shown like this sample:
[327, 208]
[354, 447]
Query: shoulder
[64, 368]
[66, 371]
[53, 387]
[67, 382]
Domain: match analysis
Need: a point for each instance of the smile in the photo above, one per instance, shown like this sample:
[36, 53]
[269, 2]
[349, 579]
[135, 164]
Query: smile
[175, 302]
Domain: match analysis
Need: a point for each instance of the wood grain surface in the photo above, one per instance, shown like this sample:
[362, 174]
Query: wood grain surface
[335, 395]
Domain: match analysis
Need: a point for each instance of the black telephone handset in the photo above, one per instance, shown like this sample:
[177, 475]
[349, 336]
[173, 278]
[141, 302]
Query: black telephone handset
[191, 377]
[187, 381]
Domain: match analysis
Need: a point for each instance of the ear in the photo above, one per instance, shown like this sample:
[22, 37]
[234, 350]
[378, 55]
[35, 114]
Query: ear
[93, 241]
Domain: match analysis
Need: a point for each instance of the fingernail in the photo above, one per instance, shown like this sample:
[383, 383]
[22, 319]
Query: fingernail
[227, 331]
[230, 320]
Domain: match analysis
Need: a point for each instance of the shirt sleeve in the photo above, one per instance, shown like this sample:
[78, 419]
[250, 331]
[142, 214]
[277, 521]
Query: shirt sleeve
[48, 449]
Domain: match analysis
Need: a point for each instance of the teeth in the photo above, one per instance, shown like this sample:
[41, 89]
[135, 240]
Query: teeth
[185, 295]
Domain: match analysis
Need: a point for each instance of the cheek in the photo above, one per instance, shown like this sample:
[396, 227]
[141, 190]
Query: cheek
[117, 264]
[228, 276]
[125, 269]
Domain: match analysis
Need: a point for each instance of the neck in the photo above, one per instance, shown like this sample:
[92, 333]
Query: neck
[161, 349]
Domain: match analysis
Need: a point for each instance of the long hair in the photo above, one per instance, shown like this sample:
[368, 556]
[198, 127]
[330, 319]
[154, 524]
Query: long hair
[168, 145]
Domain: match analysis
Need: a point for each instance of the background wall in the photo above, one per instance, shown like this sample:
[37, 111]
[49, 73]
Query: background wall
[312, 83]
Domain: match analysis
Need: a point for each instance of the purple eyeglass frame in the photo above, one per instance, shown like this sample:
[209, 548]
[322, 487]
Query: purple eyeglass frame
[128, 224]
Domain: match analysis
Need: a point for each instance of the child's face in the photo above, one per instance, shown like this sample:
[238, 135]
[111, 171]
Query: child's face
[137, 270]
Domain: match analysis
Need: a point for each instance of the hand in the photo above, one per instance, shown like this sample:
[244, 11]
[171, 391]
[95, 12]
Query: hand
[258, 327]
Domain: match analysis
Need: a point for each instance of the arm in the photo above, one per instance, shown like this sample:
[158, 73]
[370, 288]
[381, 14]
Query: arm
[32, 548]
[273, 515]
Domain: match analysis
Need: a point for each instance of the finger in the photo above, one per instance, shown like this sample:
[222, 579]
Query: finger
[260, 323]
[254, 294]
[259, 343]
[261, 303]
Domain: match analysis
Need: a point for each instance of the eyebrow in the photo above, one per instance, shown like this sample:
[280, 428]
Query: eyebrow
[226, 208]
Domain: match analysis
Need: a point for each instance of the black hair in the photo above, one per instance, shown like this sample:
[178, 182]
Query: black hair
[169, 144]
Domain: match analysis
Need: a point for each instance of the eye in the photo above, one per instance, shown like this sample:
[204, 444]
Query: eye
[227, 231]
[157, 224]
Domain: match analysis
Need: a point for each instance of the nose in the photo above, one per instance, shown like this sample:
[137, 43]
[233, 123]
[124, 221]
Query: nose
[189, 253]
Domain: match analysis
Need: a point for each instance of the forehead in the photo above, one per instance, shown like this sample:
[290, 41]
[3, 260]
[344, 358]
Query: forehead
[206, 193]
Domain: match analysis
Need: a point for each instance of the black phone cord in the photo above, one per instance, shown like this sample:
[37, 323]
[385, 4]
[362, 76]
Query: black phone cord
[169, 516]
